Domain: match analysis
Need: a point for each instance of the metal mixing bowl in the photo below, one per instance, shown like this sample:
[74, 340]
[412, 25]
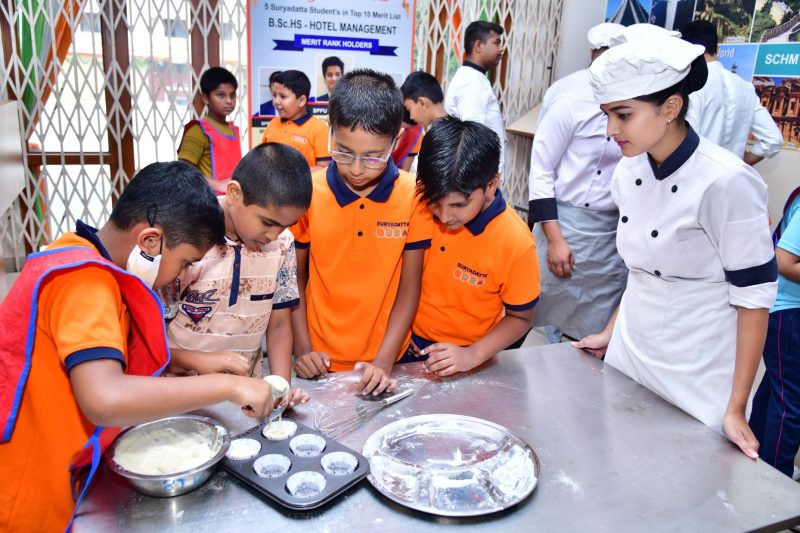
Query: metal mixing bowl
[180, 482]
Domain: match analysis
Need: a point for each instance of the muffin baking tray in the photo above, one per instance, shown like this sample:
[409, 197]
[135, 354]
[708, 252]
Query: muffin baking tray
[302, 471]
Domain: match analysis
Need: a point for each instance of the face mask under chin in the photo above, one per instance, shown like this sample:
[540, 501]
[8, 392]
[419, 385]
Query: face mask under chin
[143, 265]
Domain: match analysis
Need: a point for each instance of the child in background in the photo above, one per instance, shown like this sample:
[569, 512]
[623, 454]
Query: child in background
[98, 337]
[423, 98]
[408, 143]
[295, 125]
[360, 245]
[248, 285]
[212, 144]
[480, 280]
[775, 417]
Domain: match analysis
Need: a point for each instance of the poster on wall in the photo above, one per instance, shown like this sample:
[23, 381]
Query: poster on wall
[734, 18]
[627, 12]
[776, 21]
[323, 39]
[739, 59]
[777, 82]
[672, 14]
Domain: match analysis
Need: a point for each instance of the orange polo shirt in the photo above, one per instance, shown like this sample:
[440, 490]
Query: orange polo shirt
[81, 317]
[471, 275]
[355, 247]
[308, 135]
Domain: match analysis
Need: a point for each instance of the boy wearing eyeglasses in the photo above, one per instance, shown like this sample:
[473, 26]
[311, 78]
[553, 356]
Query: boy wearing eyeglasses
[360, 245]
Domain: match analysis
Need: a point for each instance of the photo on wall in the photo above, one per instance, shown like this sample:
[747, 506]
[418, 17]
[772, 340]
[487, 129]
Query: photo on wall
[672, 14]
[776, 21]
[330, 68]
[265, 107]
[781, 97]
[627, 12]
[739, 59]
[734, 18]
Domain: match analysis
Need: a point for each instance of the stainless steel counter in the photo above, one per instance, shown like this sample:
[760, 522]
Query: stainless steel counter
[614, 457]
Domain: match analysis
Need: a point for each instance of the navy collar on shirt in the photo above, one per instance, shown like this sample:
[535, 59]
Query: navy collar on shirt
[475, 66]
[344, 196]
[677, 158]
[477, 225]
[85, 231]
[300, 121]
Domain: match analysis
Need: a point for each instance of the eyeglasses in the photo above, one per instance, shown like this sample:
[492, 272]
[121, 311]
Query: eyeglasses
[374, 163]
[345, 158]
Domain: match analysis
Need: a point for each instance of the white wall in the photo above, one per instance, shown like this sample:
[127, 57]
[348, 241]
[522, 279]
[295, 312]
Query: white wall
[577, 17]
[782, 173]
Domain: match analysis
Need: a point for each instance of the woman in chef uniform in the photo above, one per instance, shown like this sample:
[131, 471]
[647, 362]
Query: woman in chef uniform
[694, 234]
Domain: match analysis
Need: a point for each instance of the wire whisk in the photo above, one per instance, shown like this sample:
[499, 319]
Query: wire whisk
[333, 426]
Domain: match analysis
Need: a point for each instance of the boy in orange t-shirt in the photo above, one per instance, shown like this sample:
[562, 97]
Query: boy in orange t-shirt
[295, 125]
[360, 245]
[81, 336]
[480, 281]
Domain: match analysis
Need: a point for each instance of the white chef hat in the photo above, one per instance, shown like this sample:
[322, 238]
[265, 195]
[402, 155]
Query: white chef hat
[643, 30]
[645, 67]
[602, 35]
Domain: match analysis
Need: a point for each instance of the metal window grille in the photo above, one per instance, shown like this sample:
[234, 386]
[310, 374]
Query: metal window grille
[106, 86]
[532, 39]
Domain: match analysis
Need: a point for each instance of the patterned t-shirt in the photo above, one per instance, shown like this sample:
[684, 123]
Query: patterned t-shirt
[227, 297]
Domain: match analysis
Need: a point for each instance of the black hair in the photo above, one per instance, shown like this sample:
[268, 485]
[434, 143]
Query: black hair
[332, 61]
[407, 118]
[295, 81]
[694, 81]
[176, 198]
[273, 76]
[214, 77]
[274, 174]
[456, 156]
[368, 100]
[479, 31]
[702, 32]
[419, 84]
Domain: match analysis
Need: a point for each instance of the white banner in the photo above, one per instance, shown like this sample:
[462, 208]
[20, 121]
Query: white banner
[302, 34]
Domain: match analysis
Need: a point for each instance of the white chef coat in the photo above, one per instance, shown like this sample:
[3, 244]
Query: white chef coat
[695, 236]
[571, 82]
[700, 216]
[470, 97]
[572, 158]
[726, 110]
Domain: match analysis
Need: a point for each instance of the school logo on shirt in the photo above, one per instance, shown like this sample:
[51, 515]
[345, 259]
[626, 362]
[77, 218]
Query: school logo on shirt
[203, 301]
[467, 275]
[196, 314]
[391, 230]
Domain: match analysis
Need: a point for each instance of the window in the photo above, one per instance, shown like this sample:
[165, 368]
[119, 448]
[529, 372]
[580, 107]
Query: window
[227, 31]
[90, 23]
[175, 28]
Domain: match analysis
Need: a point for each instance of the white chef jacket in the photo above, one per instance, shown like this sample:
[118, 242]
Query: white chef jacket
[573, 159]
[726, 110]
[569, 83]
[470, 97]
[701, 216]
